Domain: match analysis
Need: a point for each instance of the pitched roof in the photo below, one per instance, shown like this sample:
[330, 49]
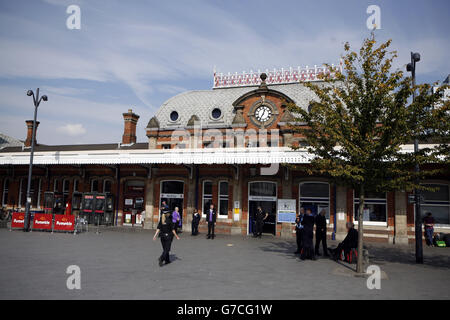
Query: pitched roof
[7, 141]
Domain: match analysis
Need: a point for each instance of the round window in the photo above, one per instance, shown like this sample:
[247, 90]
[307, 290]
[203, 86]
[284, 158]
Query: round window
[174, 116]
[216, 113]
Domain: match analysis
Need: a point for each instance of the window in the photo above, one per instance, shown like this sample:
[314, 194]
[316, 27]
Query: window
[216, 113]
[223, 199]
[107, 186]
[375, 207]
[22, 192]
[207, 195]
[315, 196]
[75, 185]
[263, 189]
[94, 185]
[5, 192]
[173, 116]
[55, 185]
[66, 187]
[166, 146]
[437, 202]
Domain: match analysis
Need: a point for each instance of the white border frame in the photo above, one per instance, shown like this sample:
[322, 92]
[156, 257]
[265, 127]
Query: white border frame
[218, 199]
[318, 201]
[276, 202]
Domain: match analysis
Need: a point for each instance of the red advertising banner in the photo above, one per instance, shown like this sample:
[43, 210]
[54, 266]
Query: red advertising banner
[42, 221]
[18, 220]
[64, 222]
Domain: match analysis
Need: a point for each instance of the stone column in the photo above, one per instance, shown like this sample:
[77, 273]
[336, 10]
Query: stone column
[401, 226]
[187, 221]
[237, 196]
[286, 228]
[149, 201]
[341, 212]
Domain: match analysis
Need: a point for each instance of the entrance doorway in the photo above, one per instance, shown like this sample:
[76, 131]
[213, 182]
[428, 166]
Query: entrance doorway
[263, 194]
[133, 203]
[172, 192]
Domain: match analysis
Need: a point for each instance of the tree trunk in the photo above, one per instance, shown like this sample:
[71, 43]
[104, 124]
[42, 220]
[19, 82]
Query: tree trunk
[359, 265]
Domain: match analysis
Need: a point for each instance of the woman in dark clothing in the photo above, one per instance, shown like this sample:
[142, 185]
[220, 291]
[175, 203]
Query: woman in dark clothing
[166, 228]
[308, 234]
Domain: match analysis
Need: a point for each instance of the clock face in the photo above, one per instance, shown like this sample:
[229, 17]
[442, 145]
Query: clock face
[263, 113]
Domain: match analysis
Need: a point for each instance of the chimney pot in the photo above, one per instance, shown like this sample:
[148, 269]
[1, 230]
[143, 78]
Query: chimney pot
[130, 123]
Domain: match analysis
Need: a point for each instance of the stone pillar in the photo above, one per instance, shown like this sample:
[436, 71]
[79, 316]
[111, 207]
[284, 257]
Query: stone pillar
[341, 212]
[286, 228]
[401, 226]
[187, 221]
[237, 196]
[149, 201]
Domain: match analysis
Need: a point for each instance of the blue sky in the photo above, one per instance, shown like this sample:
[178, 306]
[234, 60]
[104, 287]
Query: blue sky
[137, 54]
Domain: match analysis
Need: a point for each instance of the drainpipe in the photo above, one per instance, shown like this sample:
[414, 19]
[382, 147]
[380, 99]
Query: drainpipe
[333, 235]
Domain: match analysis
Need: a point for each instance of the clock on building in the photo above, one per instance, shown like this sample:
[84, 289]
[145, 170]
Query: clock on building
[263, 113]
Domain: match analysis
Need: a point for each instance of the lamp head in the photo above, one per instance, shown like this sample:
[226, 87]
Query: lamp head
[409, 67]
[416, 57]
[29, 93]
[44, 98]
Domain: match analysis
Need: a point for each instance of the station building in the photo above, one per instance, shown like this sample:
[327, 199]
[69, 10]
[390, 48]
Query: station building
[228, 146]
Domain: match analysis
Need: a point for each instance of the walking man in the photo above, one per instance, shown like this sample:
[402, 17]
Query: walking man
[308, 234]
[211, 216]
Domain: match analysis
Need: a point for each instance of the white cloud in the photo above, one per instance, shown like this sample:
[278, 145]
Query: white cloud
[72, 129]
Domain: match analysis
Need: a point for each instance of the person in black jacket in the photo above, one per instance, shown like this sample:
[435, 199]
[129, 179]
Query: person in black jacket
[321, 233]
[166, 231]
[195, 222]
[260, 216]
[350, 241]
[299, 230]
[308, 234]
[211, 216]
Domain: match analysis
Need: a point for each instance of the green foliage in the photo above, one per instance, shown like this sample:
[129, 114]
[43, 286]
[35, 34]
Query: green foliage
[360, 119]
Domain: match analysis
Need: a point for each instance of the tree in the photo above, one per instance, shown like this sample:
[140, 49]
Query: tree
[360, 118]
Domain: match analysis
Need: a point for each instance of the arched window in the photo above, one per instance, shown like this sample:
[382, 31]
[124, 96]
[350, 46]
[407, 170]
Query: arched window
[65, 188]
[94, 185]
[223, 199]
[315, 195]
[107, 186]
[75, 185]
[375, 208]
[56, 185]
[437, 202]
[207, 196]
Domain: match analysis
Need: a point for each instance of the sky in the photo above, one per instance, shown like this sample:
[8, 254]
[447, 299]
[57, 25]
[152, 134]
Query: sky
[136, 54]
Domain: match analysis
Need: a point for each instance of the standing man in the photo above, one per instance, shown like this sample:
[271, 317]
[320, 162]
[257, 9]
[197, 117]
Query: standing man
[164, 207]
[211, 216]
[299, 231]
[259, 221]
[308, 234]
[195, 222]
[428, 221]
[321, 233]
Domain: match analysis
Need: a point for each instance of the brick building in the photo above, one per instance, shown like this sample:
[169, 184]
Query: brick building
[226, 146]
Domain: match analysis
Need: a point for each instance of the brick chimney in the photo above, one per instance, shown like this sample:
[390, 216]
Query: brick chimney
[129, 132]
[30, 133]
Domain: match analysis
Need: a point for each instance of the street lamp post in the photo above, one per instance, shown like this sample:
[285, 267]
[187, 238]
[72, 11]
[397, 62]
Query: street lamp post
[411, 67]
[36, 101]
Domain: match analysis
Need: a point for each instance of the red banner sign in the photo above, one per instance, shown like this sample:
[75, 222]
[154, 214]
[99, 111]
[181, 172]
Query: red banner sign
[42, 221]
[18, 220]
[64, 222]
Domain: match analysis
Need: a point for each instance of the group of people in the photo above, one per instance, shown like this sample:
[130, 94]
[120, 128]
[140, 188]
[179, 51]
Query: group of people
[304, 229]
[170, 224]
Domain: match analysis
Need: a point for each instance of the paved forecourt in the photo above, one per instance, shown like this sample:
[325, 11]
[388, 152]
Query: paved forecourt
[123, 265]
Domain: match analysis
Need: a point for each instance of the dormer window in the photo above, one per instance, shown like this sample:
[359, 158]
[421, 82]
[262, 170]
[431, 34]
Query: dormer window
[174, 116]
[216, 113]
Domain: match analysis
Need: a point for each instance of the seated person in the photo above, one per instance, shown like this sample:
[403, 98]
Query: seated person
[350, 241]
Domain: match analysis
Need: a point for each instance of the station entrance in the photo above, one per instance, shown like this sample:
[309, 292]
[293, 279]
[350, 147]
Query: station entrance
[172, 192]
[263, 194]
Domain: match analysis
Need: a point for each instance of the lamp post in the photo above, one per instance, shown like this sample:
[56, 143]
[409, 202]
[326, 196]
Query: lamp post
[36, 101]
[411, 67]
